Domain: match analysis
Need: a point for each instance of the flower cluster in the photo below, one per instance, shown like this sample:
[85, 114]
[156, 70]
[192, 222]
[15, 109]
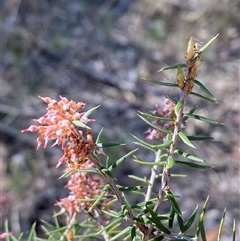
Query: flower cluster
[165, 117]
[57, 124]
[83, 187]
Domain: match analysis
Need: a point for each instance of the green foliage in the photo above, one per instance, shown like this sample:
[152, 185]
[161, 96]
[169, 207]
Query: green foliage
[142, 220]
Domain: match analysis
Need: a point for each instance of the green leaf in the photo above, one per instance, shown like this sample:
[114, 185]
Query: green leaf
[121, 160]
[180, 223]
[159, 225]
[221, 225]
[80, 124]
[123, 232]
[189, 156]
[153, 125]
[204, 88]
[171, 217]
[161, 83]
[178, 107]
[170, 162]
[185, 139]
[192, 165]
[175, 66]
[171, 99]
[200, 228]
[147, 163]
[111, 224]
[202, 118]
[99, 136]
[173, 202]
[32, 233]
[129, 189]
[140, 179]
[100, 197]
[200, 138]
[89, 112]
[234, 230]
[190, 112]
[203, 97]
[110, 144]
[133, 233]
[111, 213]
[207, 44]
[156, 117]
[164, 145]
[191, 219]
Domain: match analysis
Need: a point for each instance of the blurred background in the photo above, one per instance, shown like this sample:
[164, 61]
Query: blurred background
[98, 51]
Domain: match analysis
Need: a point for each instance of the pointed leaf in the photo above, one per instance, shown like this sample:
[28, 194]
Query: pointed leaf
[178, 107]
[159, 225]
[189, 156]
[110, 144]
[129, 189]
[162, 146]
[171, 217]
[192, 165]
[140, 179]
[200, 228]
[171, 99]
[207, 44]
[80, 124]
[156, 117]
[32, 233]
[204, 88]
[200, 138]
[147, 163]
[100, 197]
[99, 137]
[191, 219]
[173, 202]
[190, 112]
[203, 97]
[133, 233]
[89, 112]
[153, 125]
[161, 83]
[121, 160]
[221, 225]
[202, 118]
[111, 224]
[185, 139]
[234, 230]
[175, 66]
[123, 232]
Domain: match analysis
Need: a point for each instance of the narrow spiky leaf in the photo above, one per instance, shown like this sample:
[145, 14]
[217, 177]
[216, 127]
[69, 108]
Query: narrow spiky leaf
[234, 230]
[173, 202]
[133, 233]
[123, 232]
[192, 165]
[161, 83]
[189, 156]
[32, 233]
[191, 219]
[200, 228]
[147, 163]
[221, 225]
[153, 125]
[110, 144]
[175, 66]
[171, 99]
[89, 112]
[99, 136]
[104, 190]
[80, 124]
[202, 118]
[200, 138]
[204, 88]
[190, 112]
[185, 139]
[155, 117]
[207, 44]
[171, 217]
[121, 160]
[203, 97]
